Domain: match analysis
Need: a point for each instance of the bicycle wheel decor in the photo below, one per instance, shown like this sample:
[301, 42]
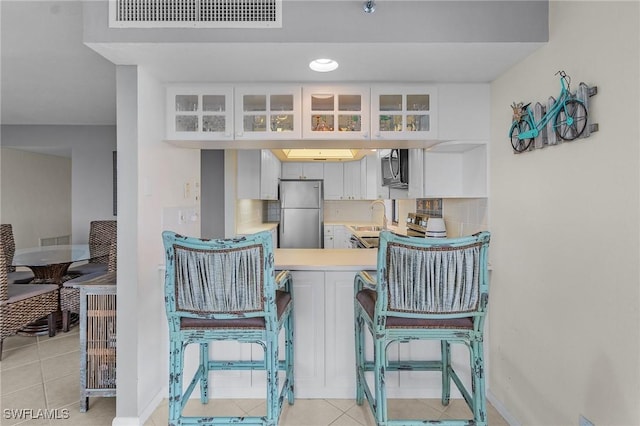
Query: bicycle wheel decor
[520, 145]
[571, 120]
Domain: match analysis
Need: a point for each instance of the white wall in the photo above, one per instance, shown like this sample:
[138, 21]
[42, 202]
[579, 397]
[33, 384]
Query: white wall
[91, 151]
[564, 309]
[156, 173]
[36, 195]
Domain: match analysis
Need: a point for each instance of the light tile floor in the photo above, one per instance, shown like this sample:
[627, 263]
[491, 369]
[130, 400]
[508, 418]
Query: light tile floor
[39, 373]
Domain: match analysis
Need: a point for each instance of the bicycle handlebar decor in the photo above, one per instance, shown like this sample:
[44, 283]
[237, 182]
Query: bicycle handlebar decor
[563, 119]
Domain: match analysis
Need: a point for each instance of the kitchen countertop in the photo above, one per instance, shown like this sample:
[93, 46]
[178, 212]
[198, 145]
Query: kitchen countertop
[257, 227]
[325, 259]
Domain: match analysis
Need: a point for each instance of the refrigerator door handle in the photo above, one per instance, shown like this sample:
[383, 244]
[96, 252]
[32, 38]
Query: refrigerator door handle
[282, 221]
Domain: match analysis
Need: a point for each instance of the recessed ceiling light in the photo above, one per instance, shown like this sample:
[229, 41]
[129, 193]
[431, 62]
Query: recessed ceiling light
[323, 65]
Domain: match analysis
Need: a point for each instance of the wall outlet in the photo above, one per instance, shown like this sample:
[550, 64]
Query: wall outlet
[182, 217]
[583, 421]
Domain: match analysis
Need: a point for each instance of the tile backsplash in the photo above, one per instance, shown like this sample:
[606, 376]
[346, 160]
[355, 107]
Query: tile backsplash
[248, 212]
[464, 216]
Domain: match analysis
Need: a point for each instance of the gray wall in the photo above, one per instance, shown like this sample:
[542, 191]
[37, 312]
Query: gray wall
[91, 151]
[212, 193]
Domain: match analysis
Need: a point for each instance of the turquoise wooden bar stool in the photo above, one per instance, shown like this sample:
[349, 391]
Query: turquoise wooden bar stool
[219, 290]
[426, 289]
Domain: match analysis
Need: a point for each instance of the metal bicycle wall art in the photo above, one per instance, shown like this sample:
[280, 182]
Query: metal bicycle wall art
[563, 119]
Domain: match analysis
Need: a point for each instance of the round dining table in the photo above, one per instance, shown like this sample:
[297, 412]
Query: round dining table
[49, 265]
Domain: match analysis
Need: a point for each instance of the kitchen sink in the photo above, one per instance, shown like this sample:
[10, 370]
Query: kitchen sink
[372, 228]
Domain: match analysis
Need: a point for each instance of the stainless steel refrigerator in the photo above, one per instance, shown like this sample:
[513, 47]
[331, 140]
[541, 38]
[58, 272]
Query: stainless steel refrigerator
[301, 215]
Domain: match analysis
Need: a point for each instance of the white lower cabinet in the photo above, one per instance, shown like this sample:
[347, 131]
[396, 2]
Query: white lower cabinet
[336, 236]
[342, 237]
[309, 323]
[324, 339]
[329, 236]
[339, 333]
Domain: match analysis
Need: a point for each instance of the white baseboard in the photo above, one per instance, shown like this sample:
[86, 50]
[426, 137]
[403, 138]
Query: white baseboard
[498, 405]
[146, 412]
[151, 407]
[126, 421]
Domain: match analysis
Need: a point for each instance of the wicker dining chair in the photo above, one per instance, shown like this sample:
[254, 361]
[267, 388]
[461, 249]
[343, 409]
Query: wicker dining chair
[70, 297]
[22, 304]
[426, 289]
[226, 290]
[101, 234]
[8, 241]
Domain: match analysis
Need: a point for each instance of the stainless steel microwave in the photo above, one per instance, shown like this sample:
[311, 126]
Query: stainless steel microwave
[395, 168]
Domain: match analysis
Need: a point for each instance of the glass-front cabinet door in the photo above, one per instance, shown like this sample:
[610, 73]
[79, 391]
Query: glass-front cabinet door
[199, 112]
[403, 112]
[335, 112]
[268, 112]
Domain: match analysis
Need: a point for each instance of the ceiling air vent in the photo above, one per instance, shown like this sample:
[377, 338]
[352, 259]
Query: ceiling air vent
[195, 13]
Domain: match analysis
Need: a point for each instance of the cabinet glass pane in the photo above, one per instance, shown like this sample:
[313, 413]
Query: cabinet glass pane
[213, 123]
[281, 102]
[322, 102]
[254, 103]
[282, 123]
[213, 103]
[390, 102]
[417, 102]
[390, 123]
[255, 123]
[349, 103]
[349, 123]
[186, 123]
[186, 102]
[322, 123]
[417, 123]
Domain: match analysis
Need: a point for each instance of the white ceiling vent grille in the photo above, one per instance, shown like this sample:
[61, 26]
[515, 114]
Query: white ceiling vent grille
[195, 13]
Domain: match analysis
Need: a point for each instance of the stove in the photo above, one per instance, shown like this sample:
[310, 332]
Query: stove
[417, 224]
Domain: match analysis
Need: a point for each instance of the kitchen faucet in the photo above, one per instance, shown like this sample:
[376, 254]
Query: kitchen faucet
[384, 211]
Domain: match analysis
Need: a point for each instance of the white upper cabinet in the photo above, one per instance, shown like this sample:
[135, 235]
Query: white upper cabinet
[416, 173]
[456, 169]
[333, 181]
[267, 112]
[258, 174]
[330, 112]
[269, 175]
[345, 181]
[404, 112]
[373, 189]
[353, 180]
[302, 170]
[199, 112]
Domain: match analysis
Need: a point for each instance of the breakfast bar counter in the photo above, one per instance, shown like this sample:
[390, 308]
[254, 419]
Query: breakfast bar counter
[325, 259]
